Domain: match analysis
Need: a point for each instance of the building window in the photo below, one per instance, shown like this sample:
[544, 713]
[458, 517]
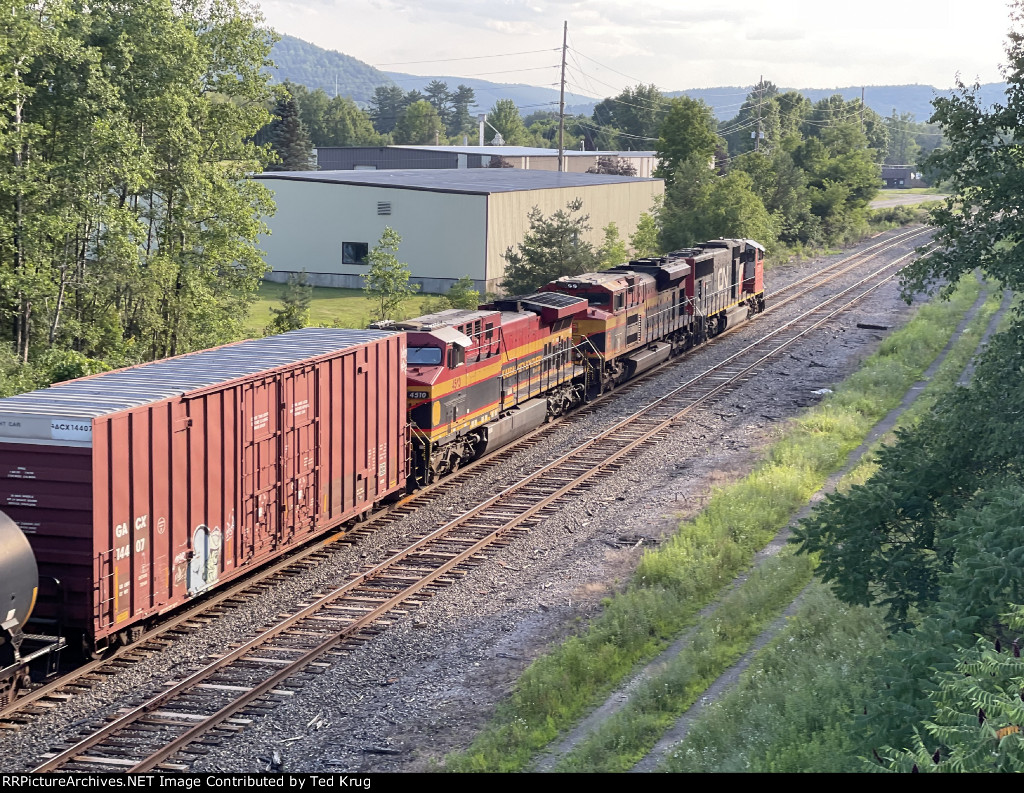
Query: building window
[354, 252]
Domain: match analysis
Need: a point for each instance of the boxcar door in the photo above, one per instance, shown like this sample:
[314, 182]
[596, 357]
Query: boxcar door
[299, 452]
[261, 464]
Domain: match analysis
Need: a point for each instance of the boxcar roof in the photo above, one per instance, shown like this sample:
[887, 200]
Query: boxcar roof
[112, 392]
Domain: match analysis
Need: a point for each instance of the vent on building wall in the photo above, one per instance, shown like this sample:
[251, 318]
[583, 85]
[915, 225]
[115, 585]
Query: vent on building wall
[383, 207]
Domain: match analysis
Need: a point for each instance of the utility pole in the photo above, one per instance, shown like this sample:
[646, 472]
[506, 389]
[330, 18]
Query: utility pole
[561, 103]
[760, 93]
[862, 109]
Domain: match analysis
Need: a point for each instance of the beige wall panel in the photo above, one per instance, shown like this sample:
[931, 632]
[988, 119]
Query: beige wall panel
[443, 234]
[621, 203]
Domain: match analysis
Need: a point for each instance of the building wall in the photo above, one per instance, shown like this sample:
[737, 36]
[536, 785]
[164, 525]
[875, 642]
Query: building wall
[443, 234]
[508, 221]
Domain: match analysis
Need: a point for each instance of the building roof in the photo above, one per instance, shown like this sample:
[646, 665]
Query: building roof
[472, 181]
[520, 151]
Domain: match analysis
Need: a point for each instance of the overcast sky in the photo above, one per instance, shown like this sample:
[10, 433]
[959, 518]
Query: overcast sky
[674, 44]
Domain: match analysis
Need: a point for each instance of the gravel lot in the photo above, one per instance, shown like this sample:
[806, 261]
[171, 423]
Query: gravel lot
[427, 684]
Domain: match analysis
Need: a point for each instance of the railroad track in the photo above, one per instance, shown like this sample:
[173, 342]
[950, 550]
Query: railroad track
[54, 694]
[225, 694]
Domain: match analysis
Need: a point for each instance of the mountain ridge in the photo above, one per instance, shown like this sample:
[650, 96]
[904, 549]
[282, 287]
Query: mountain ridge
[335, 72]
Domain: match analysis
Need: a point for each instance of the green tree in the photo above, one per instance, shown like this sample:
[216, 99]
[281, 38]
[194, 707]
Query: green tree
[758, 124]
[613, 250]
[505, 118]
[977, 225]
[387, 279]
[687, 132]
[420, 124]
[128, 223]
[644, 241]
[289, 139]
[716, 207]
[295, 305]
[461, 121]
[463, 294]
[386, 107]
[977, 713]
[633, 117]
[552, 247]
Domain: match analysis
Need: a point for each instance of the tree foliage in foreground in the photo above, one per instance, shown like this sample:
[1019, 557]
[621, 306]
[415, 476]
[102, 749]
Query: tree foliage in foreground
[128, 223]
[936, 535]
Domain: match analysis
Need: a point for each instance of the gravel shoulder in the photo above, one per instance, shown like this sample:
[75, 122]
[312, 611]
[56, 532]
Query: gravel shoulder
[427, 684]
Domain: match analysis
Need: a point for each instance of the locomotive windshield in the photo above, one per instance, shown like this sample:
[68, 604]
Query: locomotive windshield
[424, 356]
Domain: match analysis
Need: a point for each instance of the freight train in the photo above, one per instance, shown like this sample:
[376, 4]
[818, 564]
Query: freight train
[129, 493]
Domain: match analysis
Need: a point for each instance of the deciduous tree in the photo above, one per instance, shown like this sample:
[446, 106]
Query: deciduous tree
[688, 132]
[387, 279]
[420, 125]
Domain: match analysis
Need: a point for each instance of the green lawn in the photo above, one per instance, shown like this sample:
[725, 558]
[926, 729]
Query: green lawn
[345, 308]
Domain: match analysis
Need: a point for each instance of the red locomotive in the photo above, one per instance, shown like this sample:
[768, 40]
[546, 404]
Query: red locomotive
[142, 488]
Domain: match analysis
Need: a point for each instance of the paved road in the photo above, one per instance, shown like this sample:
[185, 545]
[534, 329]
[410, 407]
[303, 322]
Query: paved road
[894, 198]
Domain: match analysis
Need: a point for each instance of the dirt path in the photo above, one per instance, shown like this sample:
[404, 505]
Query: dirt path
[621, 696]
[730, 677]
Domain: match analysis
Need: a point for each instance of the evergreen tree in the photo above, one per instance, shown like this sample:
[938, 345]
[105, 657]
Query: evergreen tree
[386, 107]
[553, 247]
[289, 139]
[461, 121]
[387, 279]
[295, 304]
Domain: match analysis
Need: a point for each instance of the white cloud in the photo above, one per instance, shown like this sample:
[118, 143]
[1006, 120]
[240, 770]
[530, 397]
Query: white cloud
[804, 43]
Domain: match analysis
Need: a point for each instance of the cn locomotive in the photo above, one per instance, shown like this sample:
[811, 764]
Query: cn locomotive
[137, 490]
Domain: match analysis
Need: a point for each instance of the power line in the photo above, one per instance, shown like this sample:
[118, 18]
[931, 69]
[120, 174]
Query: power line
[468, 57]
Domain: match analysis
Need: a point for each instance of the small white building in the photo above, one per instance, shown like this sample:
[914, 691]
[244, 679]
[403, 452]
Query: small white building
[453, 223]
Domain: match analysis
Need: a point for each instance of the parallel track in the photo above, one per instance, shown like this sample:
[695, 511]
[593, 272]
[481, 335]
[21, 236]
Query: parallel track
[55, 693]
[148, 735]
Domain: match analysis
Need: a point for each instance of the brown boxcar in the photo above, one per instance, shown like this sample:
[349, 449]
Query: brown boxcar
[143, 487]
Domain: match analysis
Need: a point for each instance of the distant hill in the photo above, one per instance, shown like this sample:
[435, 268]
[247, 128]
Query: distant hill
[528, 98]
[916, 99]
[315, 67]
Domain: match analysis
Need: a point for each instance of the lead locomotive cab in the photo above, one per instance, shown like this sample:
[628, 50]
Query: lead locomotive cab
[478, 379]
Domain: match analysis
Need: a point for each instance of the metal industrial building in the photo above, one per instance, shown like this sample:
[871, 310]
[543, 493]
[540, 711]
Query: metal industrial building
[375, 158]
[453, 223]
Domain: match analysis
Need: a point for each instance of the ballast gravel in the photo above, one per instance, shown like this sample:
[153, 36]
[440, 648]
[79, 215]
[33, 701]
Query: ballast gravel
[429, 682]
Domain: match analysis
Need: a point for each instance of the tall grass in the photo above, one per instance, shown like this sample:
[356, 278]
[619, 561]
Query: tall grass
[674, 582]
[621, 741]
[793, 709]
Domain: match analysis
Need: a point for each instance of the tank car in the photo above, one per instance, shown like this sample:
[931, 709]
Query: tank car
[19, 588]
